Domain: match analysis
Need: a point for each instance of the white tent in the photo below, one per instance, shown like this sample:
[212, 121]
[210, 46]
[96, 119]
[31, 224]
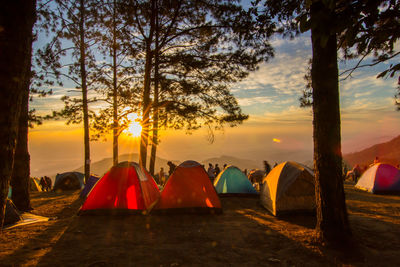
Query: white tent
[380, 178]
[289, 187]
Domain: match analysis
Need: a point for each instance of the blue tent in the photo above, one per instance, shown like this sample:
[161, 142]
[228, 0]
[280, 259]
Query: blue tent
[69, 181]
[89, 185]
[232, 181]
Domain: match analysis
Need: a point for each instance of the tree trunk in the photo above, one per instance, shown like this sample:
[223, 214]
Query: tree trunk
[16, 21]
[115, 91]
[332, 221]
[144, 139]
[21, 170]
[154, 142]
[84, 89]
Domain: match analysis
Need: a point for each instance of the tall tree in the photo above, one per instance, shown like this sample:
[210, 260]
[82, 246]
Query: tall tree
[16, 23]
[200, 51]
[21, 171]
[72, 25]
[28, 118]
[154, 141]
[332, 220]
[322, 18]
[114, 78]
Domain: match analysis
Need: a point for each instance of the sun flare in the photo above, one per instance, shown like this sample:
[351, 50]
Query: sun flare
[134, 128]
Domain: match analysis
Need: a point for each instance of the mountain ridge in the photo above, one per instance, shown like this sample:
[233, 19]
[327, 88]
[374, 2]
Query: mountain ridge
[387, 152]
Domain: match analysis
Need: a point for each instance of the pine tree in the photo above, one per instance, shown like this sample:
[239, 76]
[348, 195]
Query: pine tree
[321, 18]
[16, 21]
[114, 79]
[71, 23]
[200, 51]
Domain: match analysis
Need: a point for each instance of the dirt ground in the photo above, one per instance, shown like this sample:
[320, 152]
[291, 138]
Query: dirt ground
[245, 234]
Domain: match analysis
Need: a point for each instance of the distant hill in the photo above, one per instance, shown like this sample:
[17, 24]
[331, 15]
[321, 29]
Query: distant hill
[388, 152]
[240, 163]
[102, 166]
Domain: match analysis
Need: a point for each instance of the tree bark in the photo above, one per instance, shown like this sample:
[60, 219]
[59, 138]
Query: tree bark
[115, 91]
[21, 171]
[84, 89]
[144, 139]
[332, 220]
[16, 21]
[154, 142]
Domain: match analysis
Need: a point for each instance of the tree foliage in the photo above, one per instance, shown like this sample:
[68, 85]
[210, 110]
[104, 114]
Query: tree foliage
[203, 47]
[68, 55]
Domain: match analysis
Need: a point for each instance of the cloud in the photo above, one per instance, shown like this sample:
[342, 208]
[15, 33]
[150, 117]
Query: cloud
[289, 116]
[283, 75]
[358, 95]
[254, 100]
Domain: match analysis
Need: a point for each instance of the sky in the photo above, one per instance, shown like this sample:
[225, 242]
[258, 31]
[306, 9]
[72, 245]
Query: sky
[277, 128]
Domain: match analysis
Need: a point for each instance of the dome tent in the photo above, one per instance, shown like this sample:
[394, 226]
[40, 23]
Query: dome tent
[189, 190]
[288, 188]
[89, 185]
[380, 178]
[233, 182]
[69, 181]
[126, 188]
[11, 214]
[34, 185]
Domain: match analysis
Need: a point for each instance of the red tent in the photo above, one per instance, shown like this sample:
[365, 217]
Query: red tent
[126, 188]
[189, 190]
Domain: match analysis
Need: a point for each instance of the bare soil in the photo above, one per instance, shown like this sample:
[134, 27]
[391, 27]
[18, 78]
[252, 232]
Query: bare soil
[245, 234]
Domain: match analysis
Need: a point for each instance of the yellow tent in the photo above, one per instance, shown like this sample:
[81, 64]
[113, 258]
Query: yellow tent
[34, 185]
[289, 187]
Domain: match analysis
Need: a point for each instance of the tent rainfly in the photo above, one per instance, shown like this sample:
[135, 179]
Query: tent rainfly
[125, 189]
[233, 182]
[69, 181]
[380, 179]
[288, 188]
[89, 185]
[189, 190]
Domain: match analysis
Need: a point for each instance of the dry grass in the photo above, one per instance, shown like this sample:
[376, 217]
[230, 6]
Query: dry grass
[245, 234]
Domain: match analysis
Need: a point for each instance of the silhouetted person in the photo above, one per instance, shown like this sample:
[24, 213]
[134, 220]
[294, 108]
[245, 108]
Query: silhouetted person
[42, 183]
[211, 172]
[161, 177]
[225, 165]
[267, 167]
[172, 167]
[217, 170]
[48, 183]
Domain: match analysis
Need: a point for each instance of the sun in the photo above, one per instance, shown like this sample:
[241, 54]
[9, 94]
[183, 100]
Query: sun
[134, 128]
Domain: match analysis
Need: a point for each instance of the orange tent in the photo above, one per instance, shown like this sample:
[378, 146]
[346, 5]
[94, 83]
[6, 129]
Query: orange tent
[189, 190]
[126, 188]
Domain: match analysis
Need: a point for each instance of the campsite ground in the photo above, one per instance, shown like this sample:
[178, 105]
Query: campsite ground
[245, 234]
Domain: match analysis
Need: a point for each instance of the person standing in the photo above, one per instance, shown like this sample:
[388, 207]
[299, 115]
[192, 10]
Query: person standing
[161, 177]
[211, 172]
[172, 167]
[48, 183]
[217, 170]
[43, 183]
[267, 167]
